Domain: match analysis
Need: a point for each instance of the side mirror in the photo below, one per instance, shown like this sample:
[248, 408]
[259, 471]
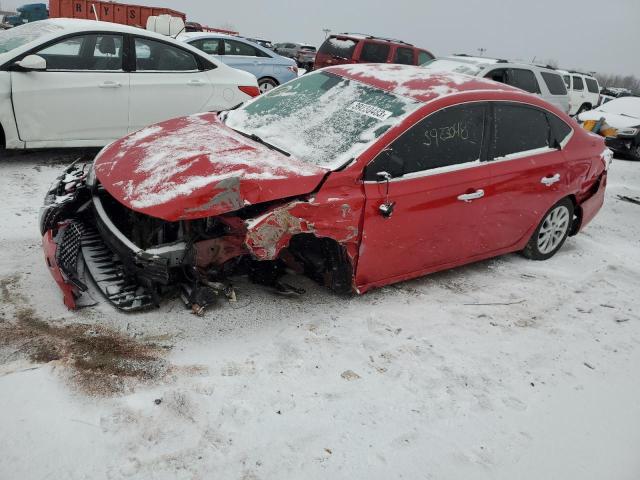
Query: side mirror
[31, 63]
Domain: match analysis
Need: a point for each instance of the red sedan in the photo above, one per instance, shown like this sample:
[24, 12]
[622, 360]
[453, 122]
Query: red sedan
[358, 176]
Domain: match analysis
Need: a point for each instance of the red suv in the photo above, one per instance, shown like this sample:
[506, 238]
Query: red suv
[355, 48]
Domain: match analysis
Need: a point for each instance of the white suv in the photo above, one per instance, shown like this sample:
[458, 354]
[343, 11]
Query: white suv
[545, 82]
[584, 91]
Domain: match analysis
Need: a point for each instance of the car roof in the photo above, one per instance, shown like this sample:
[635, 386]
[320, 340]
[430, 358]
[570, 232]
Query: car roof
[71, 25]
[191, 35]
[364, 36]
[416, 82]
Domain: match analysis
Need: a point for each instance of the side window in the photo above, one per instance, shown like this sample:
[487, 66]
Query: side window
[518, 129]
[374, 52]
[451, 136]
[577, 83]
[592, 85]
[85, 52]
[524, 79]
[404, 56]
[498, 75]
[154, 56]
[211, 46]
[233, 47]
[567, 81]
[554, 83]
[424, 57]
[560, 129]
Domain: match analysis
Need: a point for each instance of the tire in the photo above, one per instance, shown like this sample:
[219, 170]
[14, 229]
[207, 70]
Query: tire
[265, 84]
[635, 152]
[552, 232]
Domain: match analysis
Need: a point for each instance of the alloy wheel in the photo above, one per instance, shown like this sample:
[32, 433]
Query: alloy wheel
[553, 229]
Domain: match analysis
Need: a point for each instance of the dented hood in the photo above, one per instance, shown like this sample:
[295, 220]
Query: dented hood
[194, 167]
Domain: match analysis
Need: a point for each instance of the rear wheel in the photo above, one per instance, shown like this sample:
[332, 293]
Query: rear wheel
[552, 232]
[267, 84]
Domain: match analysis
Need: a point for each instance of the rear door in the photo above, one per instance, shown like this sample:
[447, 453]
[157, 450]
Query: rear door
[529, 168]
[438, 196]
[404, 56]
[83, 94]
[167, 82]
[375, 52]
[246, 57]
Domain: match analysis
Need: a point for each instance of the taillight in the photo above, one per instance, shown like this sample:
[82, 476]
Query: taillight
[250, 90]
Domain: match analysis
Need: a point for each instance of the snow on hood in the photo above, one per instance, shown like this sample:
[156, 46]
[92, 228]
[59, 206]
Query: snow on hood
[416, 82]
[194, 167]
[619, 113]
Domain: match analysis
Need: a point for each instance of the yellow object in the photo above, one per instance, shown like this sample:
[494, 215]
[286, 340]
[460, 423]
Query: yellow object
[589, 124]
[607, 131]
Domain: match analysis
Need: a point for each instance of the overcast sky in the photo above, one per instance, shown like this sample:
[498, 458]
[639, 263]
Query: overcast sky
[594, 35]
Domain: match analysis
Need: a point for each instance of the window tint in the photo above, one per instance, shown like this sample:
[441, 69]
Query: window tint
[85, 52]
[374, 52]
[518, 129]
[577, 83]
[210, 46]
[560, 129]
[404, 56]
[524, 79]
[498, 75]
[338, 47]
[592, 85]
[451, 136]
[233, 47]
[153, 56]
[567, 81]
[554, 83]
[424, 57]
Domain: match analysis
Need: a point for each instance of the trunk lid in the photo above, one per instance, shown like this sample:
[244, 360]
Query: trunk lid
[195, 167]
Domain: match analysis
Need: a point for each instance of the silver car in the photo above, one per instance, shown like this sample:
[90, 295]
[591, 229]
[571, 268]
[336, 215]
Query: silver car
[545, 82]
[302, 53]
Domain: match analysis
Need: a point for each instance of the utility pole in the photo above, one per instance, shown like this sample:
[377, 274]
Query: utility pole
[326, 31]
[482, 50]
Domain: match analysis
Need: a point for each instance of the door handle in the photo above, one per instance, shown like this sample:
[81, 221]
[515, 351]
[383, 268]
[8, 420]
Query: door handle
[196, 83]
[548, 181]
[468, 197]
[110, 84]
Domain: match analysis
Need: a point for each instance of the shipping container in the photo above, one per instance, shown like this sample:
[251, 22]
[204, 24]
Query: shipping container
[123, 13]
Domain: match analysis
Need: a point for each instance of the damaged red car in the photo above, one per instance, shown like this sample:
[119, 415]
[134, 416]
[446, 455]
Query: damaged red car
[357, 175]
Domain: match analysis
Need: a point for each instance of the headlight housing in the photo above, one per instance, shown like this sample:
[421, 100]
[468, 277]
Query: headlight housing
[628, 132]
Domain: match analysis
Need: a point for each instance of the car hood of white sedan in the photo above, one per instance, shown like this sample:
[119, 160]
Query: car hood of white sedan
[613, 119]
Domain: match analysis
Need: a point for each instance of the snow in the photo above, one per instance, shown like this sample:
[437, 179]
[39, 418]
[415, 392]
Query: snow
[341, 44]
[23, 34]
[503, 369]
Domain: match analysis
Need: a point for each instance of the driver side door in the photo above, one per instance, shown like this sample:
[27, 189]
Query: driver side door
[83, 95]
[438, 191]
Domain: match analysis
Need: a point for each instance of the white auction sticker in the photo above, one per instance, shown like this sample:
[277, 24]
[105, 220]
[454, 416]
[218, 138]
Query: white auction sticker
[369, 110]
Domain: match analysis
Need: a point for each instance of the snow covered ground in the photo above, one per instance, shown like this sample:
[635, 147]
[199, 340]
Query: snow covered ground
[500, 370]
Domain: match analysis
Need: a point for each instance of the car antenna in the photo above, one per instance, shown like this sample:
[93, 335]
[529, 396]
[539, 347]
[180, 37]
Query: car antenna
[179, 32]
[95, 11]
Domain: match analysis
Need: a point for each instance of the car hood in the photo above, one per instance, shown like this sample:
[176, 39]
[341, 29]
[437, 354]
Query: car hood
[614, 120]
[194, 167]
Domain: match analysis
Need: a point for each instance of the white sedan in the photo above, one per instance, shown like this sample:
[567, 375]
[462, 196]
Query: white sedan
[82, 83]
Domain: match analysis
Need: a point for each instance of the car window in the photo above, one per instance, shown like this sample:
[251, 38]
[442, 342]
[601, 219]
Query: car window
[374, 52]
[451, 136]
[234, 47]
[154, 56]
[554, 82]
[210, 46]
[338, 47]
[403, 56]
[559, 128]
[85, 52]
[424, 57]
[577, 83]
[592, 85]
[567, 81]
[523, 79]
[498, 75]
[518, 129]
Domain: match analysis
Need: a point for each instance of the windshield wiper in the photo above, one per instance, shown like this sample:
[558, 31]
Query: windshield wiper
[256, 138]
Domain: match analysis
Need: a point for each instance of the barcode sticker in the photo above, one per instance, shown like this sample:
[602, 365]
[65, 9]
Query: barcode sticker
[369, 110]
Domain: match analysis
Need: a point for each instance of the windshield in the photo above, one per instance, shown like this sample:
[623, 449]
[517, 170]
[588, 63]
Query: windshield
[18, 36]
[444, 65]
[321, 118]
[629, 106]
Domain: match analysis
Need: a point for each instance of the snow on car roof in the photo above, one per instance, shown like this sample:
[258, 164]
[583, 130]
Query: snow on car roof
[416, 82]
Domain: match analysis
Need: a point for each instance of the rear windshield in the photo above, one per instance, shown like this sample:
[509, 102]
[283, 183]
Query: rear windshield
[18, 36]
[308, 48]
[338, 47]
[555, 83]
[321, 118]
[592, 85]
